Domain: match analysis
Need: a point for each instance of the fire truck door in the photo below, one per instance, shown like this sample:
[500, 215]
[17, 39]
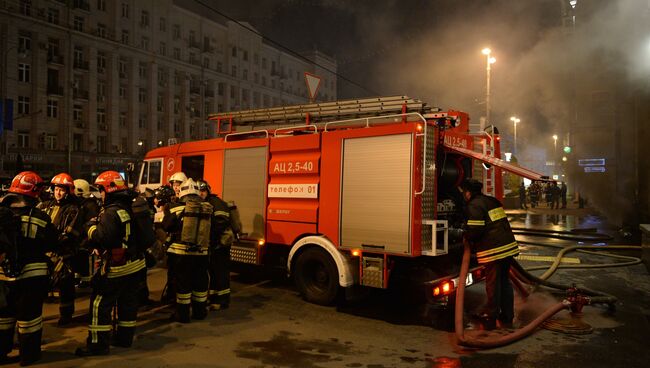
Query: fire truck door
[244, 182]
[376, 193]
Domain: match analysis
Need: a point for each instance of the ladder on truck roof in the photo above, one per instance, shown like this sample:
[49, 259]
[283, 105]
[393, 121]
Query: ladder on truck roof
[313, 113]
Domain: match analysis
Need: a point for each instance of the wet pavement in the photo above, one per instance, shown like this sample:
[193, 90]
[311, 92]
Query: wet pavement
[268, 325]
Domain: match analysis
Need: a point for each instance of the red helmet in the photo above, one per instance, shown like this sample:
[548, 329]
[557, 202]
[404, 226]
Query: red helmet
[27, 183]
[63, 180]
[110, 182]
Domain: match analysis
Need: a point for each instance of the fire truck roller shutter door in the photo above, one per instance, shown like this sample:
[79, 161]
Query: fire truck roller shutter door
[345, 269]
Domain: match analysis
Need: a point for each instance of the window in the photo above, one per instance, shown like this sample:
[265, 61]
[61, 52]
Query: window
[122, 92]
[52, 108]
[101, 91]
[162, 49]
[264, 81]
[78, 23]
[50, 142]
[234, 51]
[206, 62]
[24, 42]
[122, 68]
[142, 122]
[142, 95]
[78, 56]
[232, 91]
[144, 44]
[77, 142]
[177, 53]
[23, 104]
[101, 62]
[219, 66]
[160, 102]
[24, 72]
[144, 19]
[177, 79]
[263, 63]
[101, 5]
[125, 36]
[234, 71]
[125, 10]
[23, 139]
[77, 113]
[256, 77]
[220, 88]
[176, 31]
[142, 70]
[53, 16]
[101, 30]
[52, 49]
[163, 25]
[245, 55]
[192, 38]
[256, 59]
[177, 105]
[101, 119]
[245, 74]
[26, 7]
[122, 120]
[101, 144]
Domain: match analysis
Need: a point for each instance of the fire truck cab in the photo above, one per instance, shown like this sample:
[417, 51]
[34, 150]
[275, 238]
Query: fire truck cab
[356, 192]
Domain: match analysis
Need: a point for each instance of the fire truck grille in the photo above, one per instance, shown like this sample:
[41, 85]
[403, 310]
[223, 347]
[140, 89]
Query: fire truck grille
[243, 254]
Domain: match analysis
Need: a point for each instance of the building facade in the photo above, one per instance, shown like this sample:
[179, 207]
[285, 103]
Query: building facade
[95, 84]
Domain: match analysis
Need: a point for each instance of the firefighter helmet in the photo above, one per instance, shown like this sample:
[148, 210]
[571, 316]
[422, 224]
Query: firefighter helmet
[203, 185]
[164, 194]
[63, 180]
[82, 188]
[471, 185]
[189, 187]
[111, 182]
[179, 177]
[27, 183]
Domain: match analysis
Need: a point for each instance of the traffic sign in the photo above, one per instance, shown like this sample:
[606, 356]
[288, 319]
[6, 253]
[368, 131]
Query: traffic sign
[313, 82]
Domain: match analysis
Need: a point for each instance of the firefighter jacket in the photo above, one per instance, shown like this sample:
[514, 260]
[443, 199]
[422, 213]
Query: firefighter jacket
[35, 237]
[488, 229]
[221, 234]
[66, 218]
[111, 234]
[173, 224]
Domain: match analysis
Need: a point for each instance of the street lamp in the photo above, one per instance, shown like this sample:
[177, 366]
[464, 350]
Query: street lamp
[515, 120]
[488, 61]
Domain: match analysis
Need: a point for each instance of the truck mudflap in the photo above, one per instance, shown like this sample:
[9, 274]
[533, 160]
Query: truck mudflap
[439, 290]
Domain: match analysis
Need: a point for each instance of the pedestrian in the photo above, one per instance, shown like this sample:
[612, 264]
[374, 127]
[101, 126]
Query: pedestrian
[221, 238]
[24, 270]
[188, 224]
[489, 234]
[555, 195]
[522, 196]
[113, 236]
[64, 211]
[563, 191]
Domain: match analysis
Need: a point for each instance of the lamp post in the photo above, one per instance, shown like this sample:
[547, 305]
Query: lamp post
[488, 61]
[555, 152]
[515, 120]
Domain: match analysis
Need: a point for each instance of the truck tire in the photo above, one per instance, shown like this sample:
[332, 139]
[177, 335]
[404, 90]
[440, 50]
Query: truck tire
[316, 276]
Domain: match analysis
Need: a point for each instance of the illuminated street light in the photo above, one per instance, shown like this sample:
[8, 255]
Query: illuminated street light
[140, 143]
[515, 120]
[488, 61]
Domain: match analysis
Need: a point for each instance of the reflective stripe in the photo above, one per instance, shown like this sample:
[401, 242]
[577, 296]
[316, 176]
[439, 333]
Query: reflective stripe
[7, 323]
[29, 226]
[175, 210]
[91, 230]
[95, 318]
[223, 292]
[55, 211]
[183, 249]
[126, 323]
[33, 220]
[124, 216]
[183, 298]
[25, 327]
[221, 213]
[127, 269]
[502, 248]
[475, 222]
[30, 270]
[213, 292]
[199, 296]
[496, 214]
[513, 252]
[99, 328]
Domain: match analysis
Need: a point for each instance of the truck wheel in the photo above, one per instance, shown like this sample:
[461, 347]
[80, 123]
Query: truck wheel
[316, 276]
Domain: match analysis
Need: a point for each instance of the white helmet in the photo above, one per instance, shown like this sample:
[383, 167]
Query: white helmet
[81, 188]
[188, 187]
[179, 177]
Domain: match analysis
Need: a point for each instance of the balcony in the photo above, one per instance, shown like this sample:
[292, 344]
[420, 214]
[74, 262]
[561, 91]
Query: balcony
[55, 59]
[55, 90]
[80, 64]
[79, 94]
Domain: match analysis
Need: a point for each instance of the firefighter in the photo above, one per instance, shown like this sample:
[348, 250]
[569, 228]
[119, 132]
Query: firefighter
[221, 238]
[162, 198]
[188, 224]
[122, 259]
[488, 232]
[24, 269]
[64, 211]
[89, 206]
[176, 180]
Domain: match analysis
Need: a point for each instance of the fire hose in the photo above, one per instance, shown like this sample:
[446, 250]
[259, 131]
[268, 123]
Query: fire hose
[575, 300]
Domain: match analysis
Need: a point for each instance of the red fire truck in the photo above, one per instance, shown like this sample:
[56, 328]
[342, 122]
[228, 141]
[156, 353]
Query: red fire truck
[355, 192]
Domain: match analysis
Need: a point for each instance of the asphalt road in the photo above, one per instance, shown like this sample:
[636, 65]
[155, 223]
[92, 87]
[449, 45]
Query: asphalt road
[268, 325]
